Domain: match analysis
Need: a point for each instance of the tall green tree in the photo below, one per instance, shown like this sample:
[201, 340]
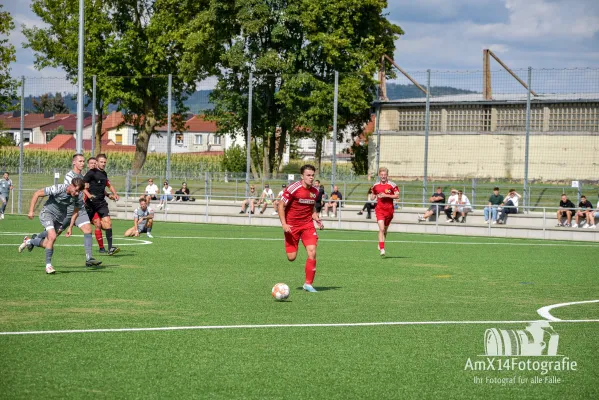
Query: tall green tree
[130, 50]
[7, 55]
[48, 103]
[293, 48]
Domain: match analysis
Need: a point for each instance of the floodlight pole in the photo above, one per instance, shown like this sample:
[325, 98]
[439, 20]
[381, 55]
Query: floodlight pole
[93, 147]
[79, 138]
[248, 156]
[22, 132]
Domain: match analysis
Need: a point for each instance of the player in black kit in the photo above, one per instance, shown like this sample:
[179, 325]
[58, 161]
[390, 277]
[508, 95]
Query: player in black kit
[95, 183]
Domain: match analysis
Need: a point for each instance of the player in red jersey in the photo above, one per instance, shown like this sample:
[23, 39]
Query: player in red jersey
[386, 191]
[297, 214]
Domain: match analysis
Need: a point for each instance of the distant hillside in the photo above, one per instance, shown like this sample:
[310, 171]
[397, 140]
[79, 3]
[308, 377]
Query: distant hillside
[200, 101]
[399, 92]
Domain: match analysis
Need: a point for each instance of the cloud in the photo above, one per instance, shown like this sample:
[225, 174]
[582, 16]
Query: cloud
[537, 33]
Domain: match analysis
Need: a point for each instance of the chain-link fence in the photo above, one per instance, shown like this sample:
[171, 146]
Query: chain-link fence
[536, 131]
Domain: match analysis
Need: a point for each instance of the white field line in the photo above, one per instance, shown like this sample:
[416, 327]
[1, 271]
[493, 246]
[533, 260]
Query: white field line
[270, 326]
[386, 241]
[138, 242]
[544, 311]
[564, 244]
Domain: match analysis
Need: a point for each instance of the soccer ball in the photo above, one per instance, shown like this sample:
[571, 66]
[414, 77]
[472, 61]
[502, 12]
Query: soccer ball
[280, 291]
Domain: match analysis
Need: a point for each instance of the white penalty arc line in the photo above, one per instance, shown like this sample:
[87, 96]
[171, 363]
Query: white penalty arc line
[270, 326]
[387, 241]
[544, 311]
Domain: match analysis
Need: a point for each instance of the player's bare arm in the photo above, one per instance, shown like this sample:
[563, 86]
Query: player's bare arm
[316, 219]
[286, 228]
[87, 193]
[73, 219]
[36, 195]
[115, 195]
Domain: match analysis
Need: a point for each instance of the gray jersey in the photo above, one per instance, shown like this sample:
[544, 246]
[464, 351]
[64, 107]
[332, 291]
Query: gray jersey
[58, 202]
[68, 178]
[139, 213]
[5, 187]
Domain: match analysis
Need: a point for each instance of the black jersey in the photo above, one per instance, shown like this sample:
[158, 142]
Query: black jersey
[97, 180]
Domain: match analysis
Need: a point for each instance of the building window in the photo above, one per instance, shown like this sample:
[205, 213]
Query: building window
[118, 138]
[217, 139]
[198, 139]
[179, 138]
[134, 138]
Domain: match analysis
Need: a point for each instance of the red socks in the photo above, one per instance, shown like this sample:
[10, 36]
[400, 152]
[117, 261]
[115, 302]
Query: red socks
[381, 245]
[310, 271]
[99, 238]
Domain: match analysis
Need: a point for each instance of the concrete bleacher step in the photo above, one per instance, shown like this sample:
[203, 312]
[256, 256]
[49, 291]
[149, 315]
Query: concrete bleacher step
[531, 225]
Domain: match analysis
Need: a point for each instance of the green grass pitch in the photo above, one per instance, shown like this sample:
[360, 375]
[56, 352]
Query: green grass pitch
[197, 275]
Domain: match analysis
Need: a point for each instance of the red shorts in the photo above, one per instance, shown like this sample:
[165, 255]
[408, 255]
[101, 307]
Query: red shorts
[307, 233]
[384, 216]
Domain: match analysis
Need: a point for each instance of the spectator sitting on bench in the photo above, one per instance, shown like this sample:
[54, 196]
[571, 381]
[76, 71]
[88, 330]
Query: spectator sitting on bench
[249, 202]
[585, 208]
[495, 201]
[334, 201]
[462, 208]
[451, 203]
[566, 209]
[319, 198]
[369, 205]
[183, 193]
[594, 215]
[151, 191]
[266, 198]
[438, 199]
[510, 206]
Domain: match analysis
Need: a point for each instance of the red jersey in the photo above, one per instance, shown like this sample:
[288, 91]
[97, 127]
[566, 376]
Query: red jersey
[385, 204]
[299, 204]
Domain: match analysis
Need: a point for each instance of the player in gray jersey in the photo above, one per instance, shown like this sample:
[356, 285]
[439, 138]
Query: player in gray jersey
[82, 220]
[60, 198]
[143, 218]
[5, 188]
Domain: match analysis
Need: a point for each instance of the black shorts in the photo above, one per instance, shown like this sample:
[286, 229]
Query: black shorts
[437, 208]
[100, 207]
[318, 206]
[564, 213]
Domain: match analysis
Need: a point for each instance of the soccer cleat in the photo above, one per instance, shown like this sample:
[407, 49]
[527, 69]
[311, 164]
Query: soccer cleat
[382, 252]
[92, 262]
[150, 235]
[113, 250]
[309, 288]
[50, 269]
[24, 244]
[102, 250]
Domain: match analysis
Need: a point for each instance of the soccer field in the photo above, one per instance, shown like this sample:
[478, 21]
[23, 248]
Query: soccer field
[188, 314]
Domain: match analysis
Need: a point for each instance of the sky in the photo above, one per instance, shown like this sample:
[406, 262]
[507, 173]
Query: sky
[445, 34]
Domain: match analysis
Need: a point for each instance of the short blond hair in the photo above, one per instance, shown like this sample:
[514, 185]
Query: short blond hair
[381, 169]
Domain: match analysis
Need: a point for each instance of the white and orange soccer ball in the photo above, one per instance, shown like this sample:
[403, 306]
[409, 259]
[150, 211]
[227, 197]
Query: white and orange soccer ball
[280, 291]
